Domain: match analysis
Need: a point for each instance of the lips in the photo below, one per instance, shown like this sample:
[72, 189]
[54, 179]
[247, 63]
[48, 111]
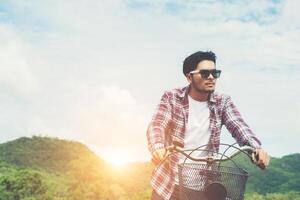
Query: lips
[212, 84]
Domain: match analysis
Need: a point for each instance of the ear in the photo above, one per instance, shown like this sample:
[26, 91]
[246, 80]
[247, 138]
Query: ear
[189, 78]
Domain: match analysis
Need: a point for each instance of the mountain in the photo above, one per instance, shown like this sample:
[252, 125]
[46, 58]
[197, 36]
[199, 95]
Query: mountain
[51, 168]
[283, 174]
[43, 168]
[44, 153]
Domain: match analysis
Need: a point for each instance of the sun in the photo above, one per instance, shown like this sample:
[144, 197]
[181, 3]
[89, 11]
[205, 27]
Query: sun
[117, 157]
[117, 161]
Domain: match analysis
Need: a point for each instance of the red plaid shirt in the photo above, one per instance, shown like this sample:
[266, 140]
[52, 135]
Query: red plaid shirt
[169, 123]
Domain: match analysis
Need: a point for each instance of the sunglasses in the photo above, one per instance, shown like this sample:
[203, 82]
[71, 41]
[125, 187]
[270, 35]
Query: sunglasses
[205, 73]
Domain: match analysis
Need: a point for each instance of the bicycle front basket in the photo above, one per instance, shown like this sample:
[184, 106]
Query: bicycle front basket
[195, 177]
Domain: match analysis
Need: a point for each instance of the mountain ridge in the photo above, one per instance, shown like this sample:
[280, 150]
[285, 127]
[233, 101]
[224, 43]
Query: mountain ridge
[50, 168]
[50, 154]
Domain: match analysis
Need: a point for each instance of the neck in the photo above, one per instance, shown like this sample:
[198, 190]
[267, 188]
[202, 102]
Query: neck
[198, 95]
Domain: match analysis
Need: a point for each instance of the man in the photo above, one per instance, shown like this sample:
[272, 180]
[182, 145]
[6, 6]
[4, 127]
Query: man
[194, 115]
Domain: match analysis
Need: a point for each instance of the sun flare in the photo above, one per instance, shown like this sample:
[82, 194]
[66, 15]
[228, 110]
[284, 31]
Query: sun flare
[117, 162]
[118, 157]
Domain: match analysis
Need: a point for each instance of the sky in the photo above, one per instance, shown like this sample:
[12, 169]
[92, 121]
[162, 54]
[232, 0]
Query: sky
[94, 70]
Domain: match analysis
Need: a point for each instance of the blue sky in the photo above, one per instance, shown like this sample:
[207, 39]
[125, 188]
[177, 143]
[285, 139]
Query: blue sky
[263, 12]
[93, 71]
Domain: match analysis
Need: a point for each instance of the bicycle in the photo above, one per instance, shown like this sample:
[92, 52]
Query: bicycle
[209, 177]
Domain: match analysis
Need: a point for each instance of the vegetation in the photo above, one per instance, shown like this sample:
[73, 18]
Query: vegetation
[273, 196]
[282, 176]
[42, 168]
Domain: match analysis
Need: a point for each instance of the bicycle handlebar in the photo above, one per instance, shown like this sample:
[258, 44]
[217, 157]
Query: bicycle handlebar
[177, 148]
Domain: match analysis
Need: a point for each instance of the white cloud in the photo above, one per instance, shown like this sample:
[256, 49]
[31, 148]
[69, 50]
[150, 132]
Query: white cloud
[15, 72]
[268, 102]
[111, 115]
[103, 116]
[86, 68]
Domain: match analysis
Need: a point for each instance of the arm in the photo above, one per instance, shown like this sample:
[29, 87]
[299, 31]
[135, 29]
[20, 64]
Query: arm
[243, 134]
[157, 127]
[238, 128]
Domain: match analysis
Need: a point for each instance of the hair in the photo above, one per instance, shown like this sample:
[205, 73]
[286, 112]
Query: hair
[190, 63]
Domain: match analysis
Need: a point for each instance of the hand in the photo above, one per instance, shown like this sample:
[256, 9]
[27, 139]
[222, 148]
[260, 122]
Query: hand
[261, 158]
[159, 155]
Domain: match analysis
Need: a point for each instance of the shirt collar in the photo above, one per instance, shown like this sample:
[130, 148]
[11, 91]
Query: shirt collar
[185, 92]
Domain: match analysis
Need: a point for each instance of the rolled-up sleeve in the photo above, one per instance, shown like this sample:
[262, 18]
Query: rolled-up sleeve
[238, 128]
[158, 124]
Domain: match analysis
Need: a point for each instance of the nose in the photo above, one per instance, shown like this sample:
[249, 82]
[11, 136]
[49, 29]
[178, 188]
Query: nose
[210, 76]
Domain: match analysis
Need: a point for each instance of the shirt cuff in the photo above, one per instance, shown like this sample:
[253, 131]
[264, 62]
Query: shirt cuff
[157, 146]
[255, 144]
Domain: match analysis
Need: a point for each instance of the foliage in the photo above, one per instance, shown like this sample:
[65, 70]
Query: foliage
[280, 177]
[27, 184]
[42, 168]
[50, 168]
[273, 196]
[50, 154]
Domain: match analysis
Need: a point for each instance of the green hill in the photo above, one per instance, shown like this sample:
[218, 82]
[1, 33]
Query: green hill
[43, 168]
[44, 153]
[283, 175]
[50, 168]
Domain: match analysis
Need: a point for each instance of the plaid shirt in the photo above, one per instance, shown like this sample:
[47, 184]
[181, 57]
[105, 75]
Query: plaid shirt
[169, 124]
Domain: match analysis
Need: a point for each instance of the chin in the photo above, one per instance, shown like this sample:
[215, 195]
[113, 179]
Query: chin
[210, 91]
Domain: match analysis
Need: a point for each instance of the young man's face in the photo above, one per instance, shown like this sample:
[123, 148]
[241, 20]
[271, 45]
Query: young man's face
[199, 83]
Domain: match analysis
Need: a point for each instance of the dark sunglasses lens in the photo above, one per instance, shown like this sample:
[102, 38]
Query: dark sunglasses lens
[216, 73]
[204, 73]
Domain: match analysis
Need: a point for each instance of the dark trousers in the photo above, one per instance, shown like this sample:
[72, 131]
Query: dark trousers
[186, 194]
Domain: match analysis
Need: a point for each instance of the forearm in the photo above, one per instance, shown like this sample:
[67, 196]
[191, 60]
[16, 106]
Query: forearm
[155, 137]
[238, 127]
[157, 128]
[243, 134]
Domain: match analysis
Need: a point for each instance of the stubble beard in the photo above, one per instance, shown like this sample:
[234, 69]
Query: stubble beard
[201, 91]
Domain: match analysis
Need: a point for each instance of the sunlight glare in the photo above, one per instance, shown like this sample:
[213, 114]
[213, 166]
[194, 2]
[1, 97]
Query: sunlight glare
[117, 157]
